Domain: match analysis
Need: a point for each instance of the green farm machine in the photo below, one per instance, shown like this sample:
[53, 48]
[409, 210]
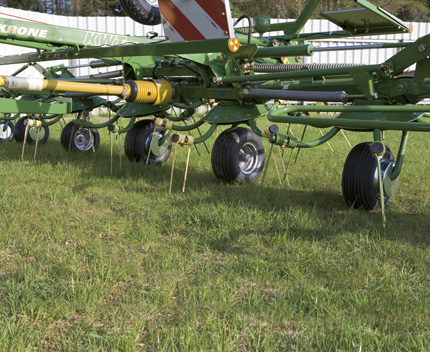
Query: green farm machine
[238, 74]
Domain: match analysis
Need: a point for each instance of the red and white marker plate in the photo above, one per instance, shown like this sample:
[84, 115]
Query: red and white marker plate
[186, 20]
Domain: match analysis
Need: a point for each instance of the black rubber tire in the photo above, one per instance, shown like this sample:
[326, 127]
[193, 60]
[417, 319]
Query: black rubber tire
[19, 132]
[130, 145]
[229, 149]
[79, 139]
[141, 11]
[6, 135]
[359, 186]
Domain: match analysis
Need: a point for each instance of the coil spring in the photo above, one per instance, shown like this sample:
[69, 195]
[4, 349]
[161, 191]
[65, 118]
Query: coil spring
[273, 68]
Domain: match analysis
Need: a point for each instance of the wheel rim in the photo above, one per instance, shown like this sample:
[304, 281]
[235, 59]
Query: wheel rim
[156, 149]
[5, 134]
[32, 133]
[153, 2]
[248, 158]
[82, 139]
[385, 165]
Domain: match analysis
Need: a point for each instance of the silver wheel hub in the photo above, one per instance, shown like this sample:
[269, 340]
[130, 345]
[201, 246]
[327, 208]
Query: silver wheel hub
[32, 133]
[248, 158]
[5, 133]
[82, 139]
[390, 186]
[158, 147]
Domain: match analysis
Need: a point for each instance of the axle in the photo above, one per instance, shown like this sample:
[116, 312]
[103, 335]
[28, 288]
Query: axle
[156, 92]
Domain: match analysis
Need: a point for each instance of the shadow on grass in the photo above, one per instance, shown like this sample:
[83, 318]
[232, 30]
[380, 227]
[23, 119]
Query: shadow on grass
[315, 214]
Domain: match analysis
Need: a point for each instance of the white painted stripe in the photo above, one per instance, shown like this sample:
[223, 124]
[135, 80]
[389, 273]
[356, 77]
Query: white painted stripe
[171, 32]
[229, 19]
[200, 19]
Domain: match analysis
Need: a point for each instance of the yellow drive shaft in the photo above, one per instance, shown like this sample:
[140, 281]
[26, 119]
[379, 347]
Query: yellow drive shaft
[157, 92]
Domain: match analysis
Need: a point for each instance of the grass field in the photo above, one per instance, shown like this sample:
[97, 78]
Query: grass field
[91, 261]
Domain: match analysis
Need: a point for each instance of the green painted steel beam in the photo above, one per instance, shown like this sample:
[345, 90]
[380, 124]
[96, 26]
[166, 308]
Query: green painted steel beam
[368, 19]
[149, 49]
[281, 51]
[31, 45]
[297, 26]
[415, 52]
[292, 142]
[58, 35]
[281, 115]
[12, 106]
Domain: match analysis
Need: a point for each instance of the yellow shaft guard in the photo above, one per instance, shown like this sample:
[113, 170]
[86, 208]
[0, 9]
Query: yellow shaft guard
[157, 92]
[66, 86]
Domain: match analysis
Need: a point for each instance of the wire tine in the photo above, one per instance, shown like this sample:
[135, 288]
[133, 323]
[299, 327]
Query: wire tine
[173, 167]
[299, 149]
[37, 142]
[186, 169]
[286, 171]
[267, 165]
[111, 153]
[322, 134]
[200, 133]
[276, 167]
[120, 153]
[25, 141]
[282, 159]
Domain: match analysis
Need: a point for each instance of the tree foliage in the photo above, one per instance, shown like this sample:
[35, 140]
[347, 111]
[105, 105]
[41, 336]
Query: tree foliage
[407, 10]
[68, 7]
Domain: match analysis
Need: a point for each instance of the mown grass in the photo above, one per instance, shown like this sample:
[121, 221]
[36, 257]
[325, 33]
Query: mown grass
[91, 261]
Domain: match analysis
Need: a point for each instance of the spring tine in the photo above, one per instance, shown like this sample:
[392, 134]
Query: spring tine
[341, 131]
[173, 167]
[282, 159]
[186, 169]
[111, 153]
[189, 133]
[200, 133]
[276, 167]
[303, 136]
[120, 153]
[322, 134]
[25, 141]
[286, 170]
[346, 139]
[267, 165]
[37, 142]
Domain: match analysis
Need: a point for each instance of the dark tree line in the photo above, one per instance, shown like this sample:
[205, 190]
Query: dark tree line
[68, 7]
[407, 10]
